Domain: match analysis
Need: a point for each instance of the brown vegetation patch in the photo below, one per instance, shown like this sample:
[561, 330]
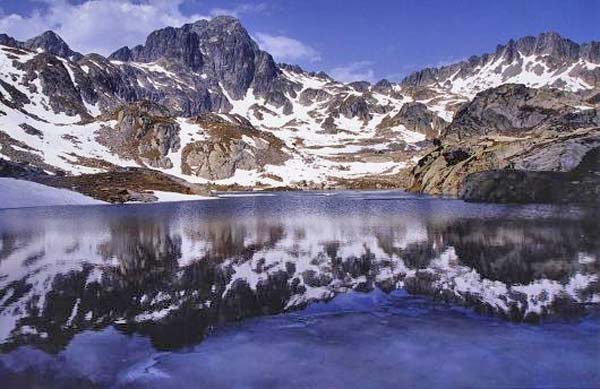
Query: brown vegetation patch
[121, 185]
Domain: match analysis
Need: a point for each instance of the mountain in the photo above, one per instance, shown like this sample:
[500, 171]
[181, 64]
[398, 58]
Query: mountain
[529, 131]
[220, 49]
[53, 44]
[92, 105]
[545, 60]
[202, 102]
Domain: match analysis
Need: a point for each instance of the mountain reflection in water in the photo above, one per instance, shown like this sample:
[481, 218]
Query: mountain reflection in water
[173, 271]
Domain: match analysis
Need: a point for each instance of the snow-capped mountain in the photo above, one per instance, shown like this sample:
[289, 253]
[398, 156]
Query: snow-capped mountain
[203, 102]
[547, 60]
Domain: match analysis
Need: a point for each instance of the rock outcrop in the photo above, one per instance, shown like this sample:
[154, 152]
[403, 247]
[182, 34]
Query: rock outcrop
[122, 185]
[515, 130]
[513, 110]
[144, 132]
[232, 143]
[415, 117]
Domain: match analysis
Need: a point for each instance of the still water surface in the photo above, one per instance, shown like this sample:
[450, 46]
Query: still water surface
[351, 289]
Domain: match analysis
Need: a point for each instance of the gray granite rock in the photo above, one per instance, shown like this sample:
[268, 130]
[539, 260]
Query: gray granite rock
[145, 132]
[232, 144]
[415, 117]
[512, 109]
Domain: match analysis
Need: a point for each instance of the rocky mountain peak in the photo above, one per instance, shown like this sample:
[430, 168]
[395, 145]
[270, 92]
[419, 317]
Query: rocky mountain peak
[548, 43]
[383, 83]
[223, 21]
[542, 58]
[384, 86]
[297, 69]
[360, 86]
[186, 43]
[8, 40]
[292, 68]
[219, 48]
[52, 43]
[217, 26]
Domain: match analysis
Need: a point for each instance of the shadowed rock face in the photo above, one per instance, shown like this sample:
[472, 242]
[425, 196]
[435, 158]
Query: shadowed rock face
[581, 185]
[53, 44]
[55, 81]
[350, 107]
[18, 170]
[174, 273]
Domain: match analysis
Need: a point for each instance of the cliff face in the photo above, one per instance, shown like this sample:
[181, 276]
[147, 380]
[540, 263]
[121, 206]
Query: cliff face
[221, 49]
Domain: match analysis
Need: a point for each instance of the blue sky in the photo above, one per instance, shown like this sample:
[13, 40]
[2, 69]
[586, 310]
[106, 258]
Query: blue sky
[351, 39]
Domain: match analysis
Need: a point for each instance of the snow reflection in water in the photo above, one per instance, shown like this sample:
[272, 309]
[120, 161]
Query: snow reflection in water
[172, 272]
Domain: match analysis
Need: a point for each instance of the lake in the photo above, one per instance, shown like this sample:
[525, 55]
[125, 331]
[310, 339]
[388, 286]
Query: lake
[334, 289]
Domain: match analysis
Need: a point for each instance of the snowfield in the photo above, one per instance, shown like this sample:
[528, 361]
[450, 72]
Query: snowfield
[21, 194]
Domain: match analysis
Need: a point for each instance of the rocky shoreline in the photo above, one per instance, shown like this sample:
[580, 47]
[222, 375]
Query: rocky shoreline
[515, 144]
[491, 186]
[514, 186]
[119, 186]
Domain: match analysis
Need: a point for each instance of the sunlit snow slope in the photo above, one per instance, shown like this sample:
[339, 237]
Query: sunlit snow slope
[83, 114]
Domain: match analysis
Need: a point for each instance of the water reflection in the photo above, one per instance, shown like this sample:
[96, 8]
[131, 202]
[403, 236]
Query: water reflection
[173, 272]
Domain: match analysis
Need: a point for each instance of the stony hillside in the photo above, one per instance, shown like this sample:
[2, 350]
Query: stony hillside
[204, 103]
[514, 128]
[529, 126]
[71, 114]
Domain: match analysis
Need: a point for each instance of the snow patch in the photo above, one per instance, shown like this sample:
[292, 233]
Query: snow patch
[20, 194]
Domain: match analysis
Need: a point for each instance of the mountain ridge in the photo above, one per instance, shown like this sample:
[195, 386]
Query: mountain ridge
[549, 44]
[204, 103]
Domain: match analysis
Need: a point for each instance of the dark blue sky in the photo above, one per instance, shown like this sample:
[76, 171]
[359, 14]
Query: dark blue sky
[372, 38]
